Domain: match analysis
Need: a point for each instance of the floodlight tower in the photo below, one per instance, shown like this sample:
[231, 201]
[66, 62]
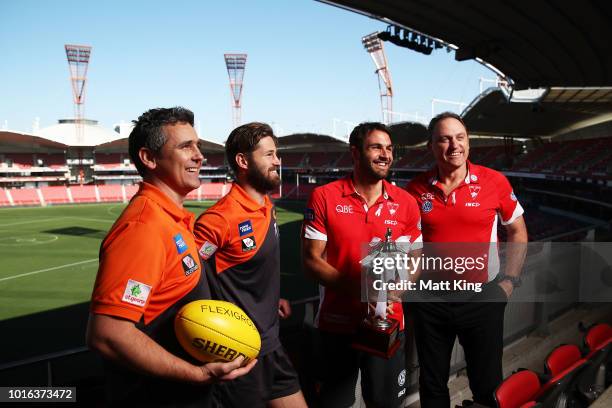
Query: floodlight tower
[374, 47]
[235, 64]
[78, 61]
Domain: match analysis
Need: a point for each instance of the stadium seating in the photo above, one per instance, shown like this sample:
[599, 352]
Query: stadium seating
[109, 160]
[213, 191]
[131, 190]
[518, 391]
[292, 159]
[4, 200]
[19, 160]
[110, 193]
[83, 194]
[214, 159]
[25, 196]
[55, 195]
[54, 161]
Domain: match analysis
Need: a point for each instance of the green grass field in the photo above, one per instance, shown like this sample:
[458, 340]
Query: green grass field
[49, 256]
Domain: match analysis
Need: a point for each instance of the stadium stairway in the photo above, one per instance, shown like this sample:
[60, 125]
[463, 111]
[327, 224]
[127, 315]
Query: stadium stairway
[531, 351]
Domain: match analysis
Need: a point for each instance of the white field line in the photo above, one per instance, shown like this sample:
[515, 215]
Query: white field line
[92, 219]
[48, 269]
[32, 221]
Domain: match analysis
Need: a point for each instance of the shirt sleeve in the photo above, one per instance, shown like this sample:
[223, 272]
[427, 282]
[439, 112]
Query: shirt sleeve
[509, 208]
[314, 226]
[132, 263]
[211, 232]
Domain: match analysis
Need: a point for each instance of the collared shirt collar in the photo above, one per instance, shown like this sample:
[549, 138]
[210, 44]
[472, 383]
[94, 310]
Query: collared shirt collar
[470, 178]
[348, 188]
[243, 198]
[177, 213]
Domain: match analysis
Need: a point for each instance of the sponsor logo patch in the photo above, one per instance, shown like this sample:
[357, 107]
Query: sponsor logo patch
[189, 265]
[427, 206]
[512, 196]
[390, 222]
[248, 244]
[472, 204]
[309, 214]
[181, 245]
[207, 250]
[245, 228]
[136, 293]
[344, 209]
[401, 378]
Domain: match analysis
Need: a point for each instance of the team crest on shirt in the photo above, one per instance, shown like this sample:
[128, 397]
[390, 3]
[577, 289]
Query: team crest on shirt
[136, 293]
[378, 210]
[189, 265]
[245, 228]
[427, 206]
[392, 207]
[181, 245]
[474, 190]
[248, 244]
[207, 250]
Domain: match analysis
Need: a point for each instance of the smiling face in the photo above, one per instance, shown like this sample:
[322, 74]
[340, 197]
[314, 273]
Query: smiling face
[450, 144]
[177, 166]
[376, 157]
[263, 166]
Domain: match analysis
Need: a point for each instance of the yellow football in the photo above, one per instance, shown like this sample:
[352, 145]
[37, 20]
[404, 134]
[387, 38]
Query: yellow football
[215, 330]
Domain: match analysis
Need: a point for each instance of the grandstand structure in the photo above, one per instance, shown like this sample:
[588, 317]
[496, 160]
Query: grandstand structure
[59, 166]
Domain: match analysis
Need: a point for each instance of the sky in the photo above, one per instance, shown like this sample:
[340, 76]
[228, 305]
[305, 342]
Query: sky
[306, 69]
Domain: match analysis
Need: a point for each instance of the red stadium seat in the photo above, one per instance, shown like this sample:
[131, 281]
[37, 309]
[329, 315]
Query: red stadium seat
[110, 192]
[25, 196]
[55, 195]
[518, 390]
[597, 337]
[83, 194]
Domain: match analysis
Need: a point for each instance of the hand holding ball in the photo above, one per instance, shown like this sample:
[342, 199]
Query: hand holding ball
[214, 330]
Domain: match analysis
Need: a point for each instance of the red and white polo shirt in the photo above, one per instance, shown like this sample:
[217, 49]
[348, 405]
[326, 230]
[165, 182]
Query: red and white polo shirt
[337, 214]
[469, 213]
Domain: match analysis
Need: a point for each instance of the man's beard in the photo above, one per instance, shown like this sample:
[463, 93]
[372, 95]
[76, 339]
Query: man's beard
[368, 170]
[262, 182]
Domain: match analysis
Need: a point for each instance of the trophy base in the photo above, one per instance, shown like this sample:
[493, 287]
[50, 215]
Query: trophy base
[378, 339]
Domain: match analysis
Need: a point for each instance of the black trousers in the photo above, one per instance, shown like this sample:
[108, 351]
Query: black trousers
[479, 327]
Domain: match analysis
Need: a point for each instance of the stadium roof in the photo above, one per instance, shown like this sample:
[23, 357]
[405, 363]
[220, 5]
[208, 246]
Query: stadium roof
[558, 111]
[66, 132]
[16, 142]
[408, 133]
[121, 146]
[535, 44]
[310, 142]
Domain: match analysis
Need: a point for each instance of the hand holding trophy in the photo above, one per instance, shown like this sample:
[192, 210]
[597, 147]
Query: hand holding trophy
[378, 334]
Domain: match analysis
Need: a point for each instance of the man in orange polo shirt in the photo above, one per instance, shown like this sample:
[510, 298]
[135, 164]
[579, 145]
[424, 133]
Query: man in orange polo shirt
[238, 237]
[149, 268]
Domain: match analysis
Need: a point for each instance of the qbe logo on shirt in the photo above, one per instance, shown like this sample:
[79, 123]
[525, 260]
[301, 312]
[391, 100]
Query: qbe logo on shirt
[245, 228]
[181, 245]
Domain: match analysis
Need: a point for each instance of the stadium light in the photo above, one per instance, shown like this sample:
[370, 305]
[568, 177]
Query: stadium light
[374, 47]
[235, 64]
[410, 39]
[78, 62]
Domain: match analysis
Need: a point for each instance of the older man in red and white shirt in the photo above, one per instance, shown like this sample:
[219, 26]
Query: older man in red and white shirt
[461, 202]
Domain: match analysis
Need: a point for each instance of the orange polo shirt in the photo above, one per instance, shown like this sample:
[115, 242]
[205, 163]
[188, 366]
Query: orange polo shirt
[148, 260]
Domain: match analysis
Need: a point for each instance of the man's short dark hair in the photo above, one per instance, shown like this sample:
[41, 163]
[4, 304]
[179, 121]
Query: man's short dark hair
[148, 131]
[439, 117]
[362, 131]
[244, 138]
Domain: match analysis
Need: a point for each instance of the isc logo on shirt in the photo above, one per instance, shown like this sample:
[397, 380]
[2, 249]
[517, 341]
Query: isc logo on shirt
[472, 204]
[245, 227]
